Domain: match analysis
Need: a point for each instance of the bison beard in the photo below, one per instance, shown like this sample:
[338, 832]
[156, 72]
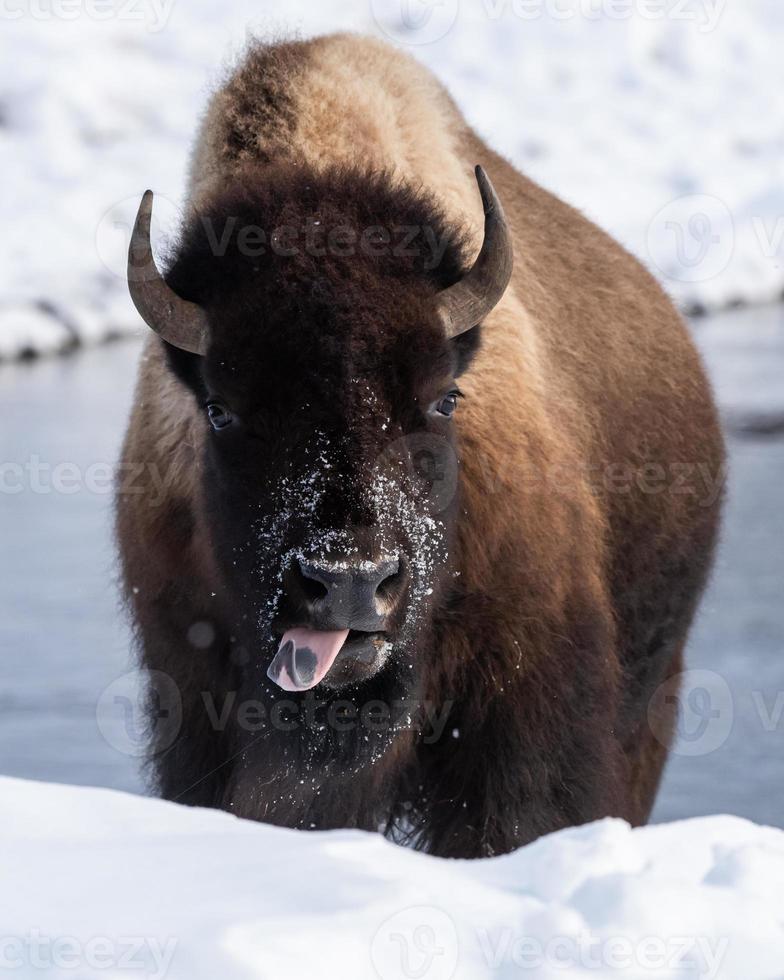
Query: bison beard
[509, 612]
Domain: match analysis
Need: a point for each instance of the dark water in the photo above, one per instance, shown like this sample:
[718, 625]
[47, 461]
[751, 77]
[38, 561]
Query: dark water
[730, 756]
[66, 673]
[62, 636]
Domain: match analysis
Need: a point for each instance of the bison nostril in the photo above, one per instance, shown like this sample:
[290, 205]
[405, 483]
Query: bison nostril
[389, 585]
[313, 590]
[390, 588]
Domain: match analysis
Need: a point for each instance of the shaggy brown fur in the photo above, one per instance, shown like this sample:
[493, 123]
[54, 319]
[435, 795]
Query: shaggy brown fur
[590, 461]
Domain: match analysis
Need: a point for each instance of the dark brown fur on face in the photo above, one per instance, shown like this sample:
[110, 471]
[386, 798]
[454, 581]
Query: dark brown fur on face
[583, 529]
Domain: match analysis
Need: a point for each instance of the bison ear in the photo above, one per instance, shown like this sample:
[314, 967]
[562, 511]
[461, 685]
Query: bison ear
[464, 347]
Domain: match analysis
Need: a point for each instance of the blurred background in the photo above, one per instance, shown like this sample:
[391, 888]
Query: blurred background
[661, 119]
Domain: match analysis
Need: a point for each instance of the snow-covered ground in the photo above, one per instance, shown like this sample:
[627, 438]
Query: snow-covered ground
[97, 883]
[662, 119]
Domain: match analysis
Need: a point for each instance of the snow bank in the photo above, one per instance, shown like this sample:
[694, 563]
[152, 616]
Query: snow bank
[657, 117]
[102, 884]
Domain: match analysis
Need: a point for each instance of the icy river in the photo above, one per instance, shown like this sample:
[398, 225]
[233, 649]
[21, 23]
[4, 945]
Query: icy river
[66, 669]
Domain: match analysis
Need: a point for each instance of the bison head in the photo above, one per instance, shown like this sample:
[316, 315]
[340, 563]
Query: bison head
[321, 323]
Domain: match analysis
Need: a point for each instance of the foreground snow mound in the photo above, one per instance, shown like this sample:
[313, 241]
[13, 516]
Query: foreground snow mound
[101, 884]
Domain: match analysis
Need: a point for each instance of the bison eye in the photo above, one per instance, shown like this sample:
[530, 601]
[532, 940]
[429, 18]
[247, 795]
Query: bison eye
[448, 404]
[219, 415]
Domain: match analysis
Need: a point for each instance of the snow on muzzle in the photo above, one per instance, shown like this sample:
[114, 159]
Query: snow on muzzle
[304, 657]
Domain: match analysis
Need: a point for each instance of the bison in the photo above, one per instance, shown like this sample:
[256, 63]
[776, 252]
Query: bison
[429, 474]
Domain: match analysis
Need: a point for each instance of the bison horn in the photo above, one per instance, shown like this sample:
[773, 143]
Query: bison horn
[178, 322]
[468, 302]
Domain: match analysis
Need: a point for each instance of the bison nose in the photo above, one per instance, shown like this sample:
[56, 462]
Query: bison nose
[360, 595]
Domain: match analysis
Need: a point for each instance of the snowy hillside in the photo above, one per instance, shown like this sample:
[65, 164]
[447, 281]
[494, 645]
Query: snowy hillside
[100, 884]
[662, 119]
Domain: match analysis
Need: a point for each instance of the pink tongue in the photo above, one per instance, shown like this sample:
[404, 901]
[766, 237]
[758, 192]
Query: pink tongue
[304, 657]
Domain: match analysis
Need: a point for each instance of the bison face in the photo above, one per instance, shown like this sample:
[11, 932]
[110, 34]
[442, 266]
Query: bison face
[330, 484]
[324, 374]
